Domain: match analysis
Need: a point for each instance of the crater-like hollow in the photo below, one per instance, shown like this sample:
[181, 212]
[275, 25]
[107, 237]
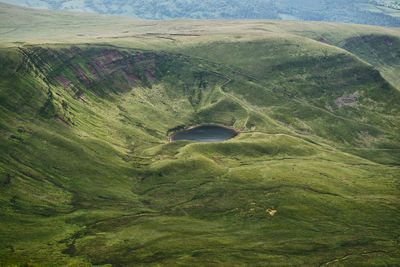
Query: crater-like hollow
[205, 133]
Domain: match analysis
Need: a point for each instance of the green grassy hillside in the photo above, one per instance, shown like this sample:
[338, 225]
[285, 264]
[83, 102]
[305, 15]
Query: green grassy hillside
[373, 12]
[88, 176]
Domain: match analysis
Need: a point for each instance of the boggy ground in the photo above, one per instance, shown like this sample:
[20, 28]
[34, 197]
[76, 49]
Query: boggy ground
[89, 177]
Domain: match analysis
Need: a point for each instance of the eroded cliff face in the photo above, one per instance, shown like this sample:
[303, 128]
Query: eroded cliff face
[88, 175]
[170, 90]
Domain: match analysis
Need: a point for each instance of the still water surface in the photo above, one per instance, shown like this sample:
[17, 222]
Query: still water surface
[205, 133]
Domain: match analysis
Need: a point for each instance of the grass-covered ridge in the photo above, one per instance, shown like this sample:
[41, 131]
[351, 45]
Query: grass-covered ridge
[88, 175]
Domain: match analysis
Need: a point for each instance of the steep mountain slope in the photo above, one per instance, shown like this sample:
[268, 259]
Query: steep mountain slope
[88, 175]
[381, 51]
[385, 13]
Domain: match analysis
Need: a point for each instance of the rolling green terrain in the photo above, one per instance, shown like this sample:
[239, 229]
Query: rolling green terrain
[88, 176]
[372, 12]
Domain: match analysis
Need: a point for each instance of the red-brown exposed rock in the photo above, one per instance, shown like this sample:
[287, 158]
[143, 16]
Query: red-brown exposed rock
[82, 75]
[62, 80]
[131, 78]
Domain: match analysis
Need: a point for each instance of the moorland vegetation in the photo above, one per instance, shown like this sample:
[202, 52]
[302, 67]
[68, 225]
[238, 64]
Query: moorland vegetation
[88, 175]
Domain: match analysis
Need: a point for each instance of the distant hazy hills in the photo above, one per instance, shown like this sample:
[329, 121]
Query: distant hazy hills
[375, 12]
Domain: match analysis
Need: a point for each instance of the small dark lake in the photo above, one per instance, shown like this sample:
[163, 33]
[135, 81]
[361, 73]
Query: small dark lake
[205, 133]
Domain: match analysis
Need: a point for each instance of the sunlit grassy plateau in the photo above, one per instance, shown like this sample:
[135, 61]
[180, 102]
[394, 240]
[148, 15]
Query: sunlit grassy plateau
[88, 175]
